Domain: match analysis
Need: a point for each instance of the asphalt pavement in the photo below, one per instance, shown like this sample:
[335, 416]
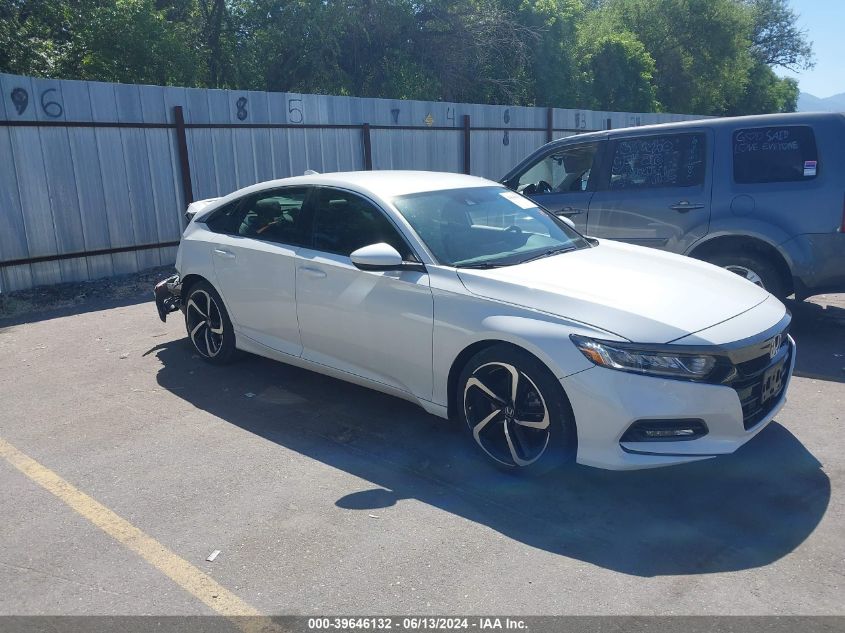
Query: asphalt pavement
[128, 461]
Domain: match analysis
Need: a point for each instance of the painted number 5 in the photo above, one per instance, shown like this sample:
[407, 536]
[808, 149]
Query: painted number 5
[295, 111]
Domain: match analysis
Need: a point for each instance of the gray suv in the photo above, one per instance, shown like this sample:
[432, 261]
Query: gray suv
[763, 196]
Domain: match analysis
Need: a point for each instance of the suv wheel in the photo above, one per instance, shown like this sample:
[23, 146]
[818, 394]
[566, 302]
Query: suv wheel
[757, 269]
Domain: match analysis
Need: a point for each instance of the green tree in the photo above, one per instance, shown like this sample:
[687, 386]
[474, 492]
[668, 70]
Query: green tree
[776, 38]
[551, 64]
[696, 56]
[131, 41]
[34, 35]
[477, 50]
[106, 40]
[616, 72]
[701, 49]
[765, 92]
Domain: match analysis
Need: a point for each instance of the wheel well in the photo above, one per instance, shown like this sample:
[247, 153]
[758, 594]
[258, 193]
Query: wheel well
[457, 367]
[464, 357]
[190, 280]
[744, 244]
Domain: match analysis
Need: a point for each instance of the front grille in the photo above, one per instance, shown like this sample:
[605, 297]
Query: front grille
[760, 381]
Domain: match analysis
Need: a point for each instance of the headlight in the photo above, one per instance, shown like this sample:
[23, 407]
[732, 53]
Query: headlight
[642, 360]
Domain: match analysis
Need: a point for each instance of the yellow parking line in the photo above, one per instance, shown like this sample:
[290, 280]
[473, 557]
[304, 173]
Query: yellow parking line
[170, 564]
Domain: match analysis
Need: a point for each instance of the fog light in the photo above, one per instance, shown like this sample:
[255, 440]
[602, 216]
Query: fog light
[665, 430]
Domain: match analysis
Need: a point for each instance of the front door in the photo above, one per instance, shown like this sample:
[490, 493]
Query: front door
[377, 325]
[562, 180]
[655, 190]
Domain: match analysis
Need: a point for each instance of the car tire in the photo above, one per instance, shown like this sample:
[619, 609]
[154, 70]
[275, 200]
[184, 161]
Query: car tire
[757, 269]
[534, 432]
[209, 328]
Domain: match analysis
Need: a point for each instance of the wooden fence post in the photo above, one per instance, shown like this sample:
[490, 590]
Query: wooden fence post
[368, 147]
[184, 159]
[467, 145]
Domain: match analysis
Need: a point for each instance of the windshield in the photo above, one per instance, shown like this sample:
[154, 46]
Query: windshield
[482, 227]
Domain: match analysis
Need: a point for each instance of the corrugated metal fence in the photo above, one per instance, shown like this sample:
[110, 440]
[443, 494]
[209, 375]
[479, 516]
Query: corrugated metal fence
[94, 177]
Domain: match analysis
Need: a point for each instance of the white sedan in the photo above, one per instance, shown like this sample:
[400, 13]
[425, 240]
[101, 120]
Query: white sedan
[455, 293]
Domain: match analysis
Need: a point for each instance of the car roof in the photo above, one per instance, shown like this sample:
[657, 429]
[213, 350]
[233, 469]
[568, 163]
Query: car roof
[784, 118]
[385, 184]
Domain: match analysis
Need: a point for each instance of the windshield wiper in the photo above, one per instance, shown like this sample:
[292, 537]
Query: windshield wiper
[480, 265]
[549, 253]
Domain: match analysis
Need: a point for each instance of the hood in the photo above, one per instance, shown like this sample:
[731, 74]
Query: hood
[638, 293]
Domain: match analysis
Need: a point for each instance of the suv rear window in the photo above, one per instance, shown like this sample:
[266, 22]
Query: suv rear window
[784, 153]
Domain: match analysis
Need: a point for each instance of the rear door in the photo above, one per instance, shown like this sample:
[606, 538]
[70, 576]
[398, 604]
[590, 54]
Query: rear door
[562, 180]
[655, 189]
[254, 264]
[781, 175]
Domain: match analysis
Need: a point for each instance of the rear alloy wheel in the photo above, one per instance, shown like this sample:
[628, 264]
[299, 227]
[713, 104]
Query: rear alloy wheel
[514, 411]
[755, 268]
[208, 324]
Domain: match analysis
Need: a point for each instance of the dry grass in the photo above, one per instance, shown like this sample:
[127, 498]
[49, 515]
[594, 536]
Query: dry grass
[46, 298]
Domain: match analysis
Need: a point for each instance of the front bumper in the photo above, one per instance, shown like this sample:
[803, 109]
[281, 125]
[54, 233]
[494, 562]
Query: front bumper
[168, 296]
[607, 402]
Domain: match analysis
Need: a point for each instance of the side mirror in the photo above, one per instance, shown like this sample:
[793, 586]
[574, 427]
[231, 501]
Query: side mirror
[377, 257]
[567, 220]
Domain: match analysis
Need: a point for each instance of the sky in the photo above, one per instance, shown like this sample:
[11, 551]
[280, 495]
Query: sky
[824, 21]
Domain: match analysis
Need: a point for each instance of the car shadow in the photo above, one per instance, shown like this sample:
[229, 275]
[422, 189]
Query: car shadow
[819, 333]
[736, 512]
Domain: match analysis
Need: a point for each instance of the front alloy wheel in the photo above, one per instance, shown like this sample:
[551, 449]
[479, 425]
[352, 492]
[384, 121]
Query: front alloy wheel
[513, 410]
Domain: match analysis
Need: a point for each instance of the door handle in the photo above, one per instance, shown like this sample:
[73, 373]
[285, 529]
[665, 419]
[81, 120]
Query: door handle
[221, 252]
[684, 205]
[314, 273]
[567, 211]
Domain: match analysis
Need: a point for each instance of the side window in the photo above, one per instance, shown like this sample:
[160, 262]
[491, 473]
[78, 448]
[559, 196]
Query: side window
[227, 219]
[670, 160]
[344, 222]
[775, 154]
[565, 170]
[276, 216]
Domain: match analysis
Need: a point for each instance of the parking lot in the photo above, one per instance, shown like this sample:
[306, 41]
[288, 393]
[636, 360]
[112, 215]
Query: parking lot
[326, 498]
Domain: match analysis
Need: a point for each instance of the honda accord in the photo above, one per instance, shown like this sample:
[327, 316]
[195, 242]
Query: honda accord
[468, 299]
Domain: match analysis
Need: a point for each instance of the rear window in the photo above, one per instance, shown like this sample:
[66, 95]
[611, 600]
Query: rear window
[775, 154]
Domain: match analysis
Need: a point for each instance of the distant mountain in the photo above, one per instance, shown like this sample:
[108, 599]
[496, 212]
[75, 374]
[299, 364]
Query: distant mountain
[812, 103]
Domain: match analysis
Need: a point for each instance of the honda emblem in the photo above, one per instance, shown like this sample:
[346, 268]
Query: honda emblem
[775, 346]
